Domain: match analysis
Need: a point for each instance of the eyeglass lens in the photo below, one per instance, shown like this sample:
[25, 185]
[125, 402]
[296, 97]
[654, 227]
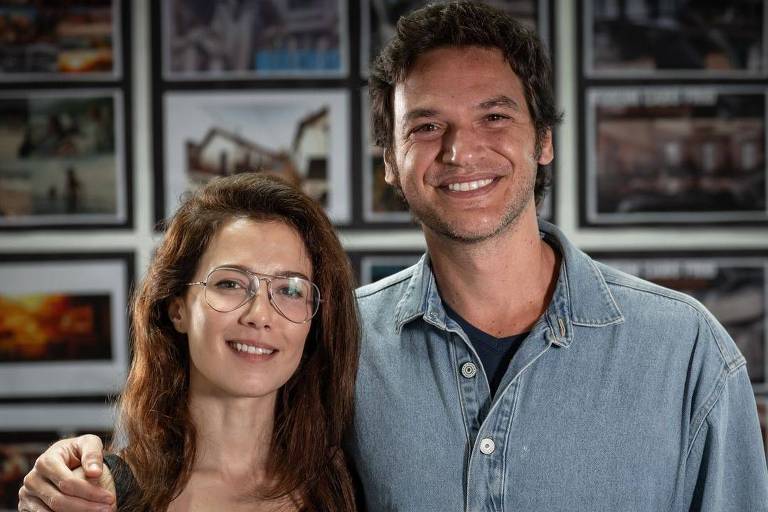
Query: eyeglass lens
[293, 297]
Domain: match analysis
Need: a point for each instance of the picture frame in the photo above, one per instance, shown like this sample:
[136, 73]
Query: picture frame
[299, 134]
[370, 266]
[64, 159]
[674, 40]
[674, 154]
[378, 19]
[64, 316]
[268, 39]
[381, 202]
[63, 41]
[732, 285]
[27, 430]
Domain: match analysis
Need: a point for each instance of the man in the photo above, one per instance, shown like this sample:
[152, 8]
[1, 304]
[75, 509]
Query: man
[507, 370]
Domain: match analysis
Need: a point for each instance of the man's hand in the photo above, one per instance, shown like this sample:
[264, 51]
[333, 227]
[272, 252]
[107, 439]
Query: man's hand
[67, 478]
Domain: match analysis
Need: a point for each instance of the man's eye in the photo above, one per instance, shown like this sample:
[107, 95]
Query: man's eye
[425, 128]
[496, 117]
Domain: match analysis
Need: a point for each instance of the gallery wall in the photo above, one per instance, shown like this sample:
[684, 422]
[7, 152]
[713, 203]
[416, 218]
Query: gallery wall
[659, 169]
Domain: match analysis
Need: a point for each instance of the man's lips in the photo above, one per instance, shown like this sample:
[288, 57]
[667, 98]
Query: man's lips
[465, 186]
[468, 184]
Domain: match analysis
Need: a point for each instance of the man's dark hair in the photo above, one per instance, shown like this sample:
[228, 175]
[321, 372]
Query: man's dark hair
[459, 24]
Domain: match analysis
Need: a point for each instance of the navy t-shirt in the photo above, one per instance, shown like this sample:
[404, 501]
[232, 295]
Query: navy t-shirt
[495, 353]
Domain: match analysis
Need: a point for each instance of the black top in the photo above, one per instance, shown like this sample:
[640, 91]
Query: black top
[495, 353]
[125, 485]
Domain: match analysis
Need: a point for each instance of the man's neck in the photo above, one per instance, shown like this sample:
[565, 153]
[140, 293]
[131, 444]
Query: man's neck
[501, 285]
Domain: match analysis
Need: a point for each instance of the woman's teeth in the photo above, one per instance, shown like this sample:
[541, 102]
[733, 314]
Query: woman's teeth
[241, 347]
[470, 185]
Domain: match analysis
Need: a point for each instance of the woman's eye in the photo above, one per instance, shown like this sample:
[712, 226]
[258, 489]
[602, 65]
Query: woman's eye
[229, 284]
[292, 292]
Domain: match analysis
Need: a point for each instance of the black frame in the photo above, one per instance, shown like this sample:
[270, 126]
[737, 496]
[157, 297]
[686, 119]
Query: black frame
[587, 82]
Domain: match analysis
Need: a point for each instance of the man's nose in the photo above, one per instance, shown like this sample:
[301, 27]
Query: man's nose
[461, 146]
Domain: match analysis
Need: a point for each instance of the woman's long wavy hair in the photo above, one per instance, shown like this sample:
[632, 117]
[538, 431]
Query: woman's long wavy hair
[314, 408]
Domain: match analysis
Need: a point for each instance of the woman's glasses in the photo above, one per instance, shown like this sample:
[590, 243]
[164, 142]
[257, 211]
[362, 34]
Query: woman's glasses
[295, 298]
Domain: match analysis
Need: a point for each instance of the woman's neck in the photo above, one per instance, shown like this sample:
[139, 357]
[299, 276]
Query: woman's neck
[234, 435]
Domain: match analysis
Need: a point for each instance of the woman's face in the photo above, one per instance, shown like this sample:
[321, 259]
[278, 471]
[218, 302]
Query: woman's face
[253, 350]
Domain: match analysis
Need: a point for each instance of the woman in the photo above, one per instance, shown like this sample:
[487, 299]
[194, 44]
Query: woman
[245, 351]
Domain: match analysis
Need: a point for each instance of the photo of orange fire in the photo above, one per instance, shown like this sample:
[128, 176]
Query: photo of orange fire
[54, 327]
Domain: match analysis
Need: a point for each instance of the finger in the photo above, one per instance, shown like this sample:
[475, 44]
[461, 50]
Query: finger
[91, 452]
[28, 503]
[51, 479]
[51, 499]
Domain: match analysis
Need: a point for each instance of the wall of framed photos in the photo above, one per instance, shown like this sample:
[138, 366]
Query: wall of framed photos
[660, 164]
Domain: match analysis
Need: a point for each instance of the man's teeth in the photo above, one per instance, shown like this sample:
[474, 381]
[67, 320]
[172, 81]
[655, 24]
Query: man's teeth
[469, 185]
[241, 347]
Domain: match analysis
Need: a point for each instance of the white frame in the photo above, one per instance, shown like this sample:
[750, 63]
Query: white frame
[542, 26]
[169, 75]
[120, 217]
[592, 97]
[117, 59]
[102, 274]
[182, 116]
[368, 261]
[590, 71]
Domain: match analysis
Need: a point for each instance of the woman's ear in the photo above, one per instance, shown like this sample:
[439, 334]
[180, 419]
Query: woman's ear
[178, 314]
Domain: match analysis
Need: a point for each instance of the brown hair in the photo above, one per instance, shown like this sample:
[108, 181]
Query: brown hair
[314, 408]
[457, 24]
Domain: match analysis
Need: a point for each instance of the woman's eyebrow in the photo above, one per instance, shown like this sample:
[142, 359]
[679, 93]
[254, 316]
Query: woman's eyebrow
[278, 272]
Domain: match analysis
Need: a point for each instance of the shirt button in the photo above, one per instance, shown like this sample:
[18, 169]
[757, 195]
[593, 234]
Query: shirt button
[487, 446]
[468, 370]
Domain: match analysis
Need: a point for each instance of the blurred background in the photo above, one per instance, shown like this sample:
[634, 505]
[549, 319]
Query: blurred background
[111, 109]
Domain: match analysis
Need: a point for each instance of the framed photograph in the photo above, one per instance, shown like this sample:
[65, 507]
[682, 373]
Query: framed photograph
[675, 155]
[379, 19]
[381, 202]
[26, 431]
[674, 39]
[733, 286]
[371, 266]
[63, 159]
[51, 40]
[300, 135]
[63, 317]
[253, 39]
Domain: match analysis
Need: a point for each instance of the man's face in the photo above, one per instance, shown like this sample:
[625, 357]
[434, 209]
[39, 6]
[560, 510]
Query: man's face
[464, 152]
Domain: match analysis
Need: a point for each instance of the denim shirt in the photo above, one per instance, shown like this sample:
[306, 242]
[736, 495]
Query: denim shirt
[626, 396]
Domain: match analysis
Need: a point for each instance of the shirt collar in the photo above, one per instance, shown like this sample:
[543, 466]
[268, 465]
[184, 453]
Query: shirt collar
[579, 278]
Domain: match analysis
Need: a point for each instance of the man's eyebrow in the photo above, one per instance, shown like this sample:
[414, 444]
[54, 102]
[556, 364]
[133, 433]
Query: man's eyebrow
[499, 101]
[417, 113]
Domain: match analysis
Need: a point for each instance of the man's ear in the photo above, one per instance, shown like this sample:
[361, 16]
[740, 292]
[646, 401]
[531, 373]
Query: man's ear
[177, 312]
[391, 176]
[547, 153]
